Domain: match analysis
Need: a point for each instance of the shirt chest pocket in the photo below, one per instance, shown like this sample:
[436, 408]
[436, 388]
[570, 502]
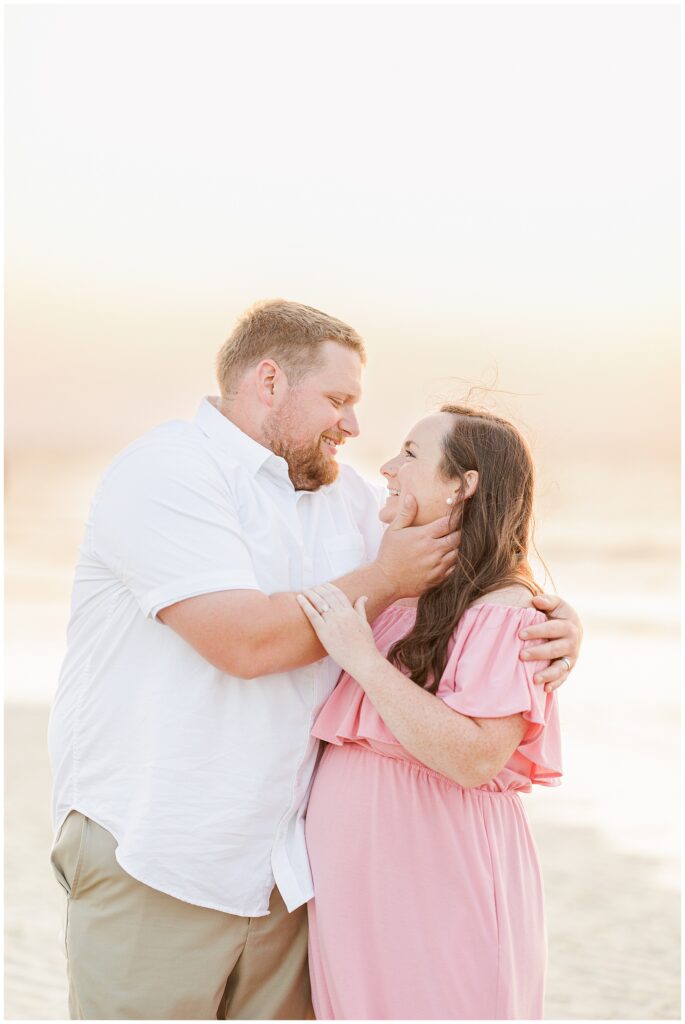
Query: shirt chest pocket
[342, 555]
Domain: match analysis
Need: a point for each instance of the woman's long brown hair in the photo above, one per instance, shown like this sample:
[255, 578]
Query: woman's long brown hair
[495, 524]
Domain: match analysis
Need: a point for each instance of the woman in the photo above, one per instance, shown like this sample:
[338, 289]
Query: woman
[429, 898]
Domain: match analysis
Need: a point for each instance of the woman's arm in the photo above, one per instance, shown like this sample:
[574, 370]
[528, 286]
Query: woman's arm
[471, 751]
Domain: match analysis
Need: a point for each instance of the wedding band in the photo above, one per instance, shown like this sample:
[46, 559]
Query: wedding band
[325, 608]
[568, 664]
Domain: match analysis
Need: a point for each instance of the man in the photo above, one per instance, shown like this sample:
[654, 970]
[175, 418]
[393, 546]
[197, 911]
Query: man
[179, 737]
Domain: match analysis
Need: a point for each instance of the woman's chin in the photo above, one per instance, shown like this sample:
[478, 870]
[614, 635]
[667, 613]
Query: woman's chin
[389, 511]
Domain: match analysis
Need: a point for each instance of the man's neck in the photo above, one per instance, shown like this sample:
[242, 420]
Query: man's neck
[239, 417]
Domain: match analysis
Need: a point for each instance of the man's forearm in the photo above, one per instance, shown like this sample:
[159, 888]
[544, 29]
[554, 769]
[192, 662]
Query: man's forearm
[247, 633]
[284, 639]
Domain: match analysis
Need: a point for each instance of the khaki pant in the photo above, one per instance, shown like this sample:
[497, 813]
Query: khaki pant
[134, 953]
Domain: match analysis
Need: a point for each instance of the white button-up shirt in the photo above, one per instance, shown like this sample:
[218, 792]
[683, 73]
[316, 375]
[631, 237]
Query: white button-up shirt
[201, 777]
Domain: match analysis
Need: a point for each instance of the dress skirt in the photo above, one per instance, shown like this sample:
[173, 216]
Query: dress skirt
[429, 898]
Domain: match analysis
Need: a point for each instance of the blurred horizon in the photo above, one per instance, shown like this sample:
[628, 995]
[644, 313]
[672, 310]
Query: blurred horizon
[453, 186]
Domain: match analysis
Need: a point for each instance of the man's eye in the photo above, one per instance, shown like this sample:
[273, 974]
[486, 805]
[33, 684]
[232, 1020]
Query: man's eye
[336, 402]
[410, 454]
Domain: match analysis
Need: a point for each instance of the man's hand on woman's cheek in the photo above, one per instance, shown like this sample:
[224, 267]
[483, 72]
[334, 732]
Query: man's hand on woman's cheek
[561, 635]
[415, 558]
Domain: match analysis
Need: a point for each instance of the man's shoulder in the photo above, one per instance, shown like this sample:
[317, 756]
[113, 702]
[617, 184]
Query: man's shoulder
[178, 447]
[175, 436]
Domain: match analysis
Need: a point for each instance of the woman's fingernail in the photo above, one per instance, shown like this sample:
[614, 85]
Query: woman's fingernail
[524, 634]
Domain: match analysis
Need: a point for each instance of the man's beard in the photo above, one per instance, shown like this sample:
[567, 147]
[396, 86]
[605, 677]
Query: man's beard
[308, 466]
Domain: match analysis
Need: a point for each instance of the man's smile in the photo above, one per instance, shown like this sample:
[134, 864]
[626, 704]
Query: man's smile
[331, 443]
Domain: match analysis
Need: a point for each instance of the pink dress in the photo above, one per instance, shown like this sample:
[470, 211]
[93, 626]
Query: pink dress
[429, 897]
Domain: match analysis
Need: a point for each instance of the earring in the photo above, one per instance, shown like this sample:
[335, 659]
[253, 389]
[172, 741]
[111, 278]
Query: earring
[450, 501]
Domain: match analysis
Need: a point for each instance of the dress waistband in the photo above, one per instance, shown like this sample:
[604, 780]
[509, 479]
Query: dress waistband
[422, 769]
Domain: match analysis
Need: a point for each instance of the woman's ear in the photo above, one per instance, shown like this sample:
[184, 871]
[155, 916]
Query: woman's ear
[471, 476]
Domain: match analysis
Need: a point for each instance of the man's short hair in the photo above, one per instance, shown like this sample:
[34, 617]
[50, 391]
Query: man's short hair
[287, 332]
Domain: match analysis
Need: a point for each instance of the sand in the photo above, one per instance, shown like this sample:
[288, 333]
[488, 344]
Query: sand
[613, 926]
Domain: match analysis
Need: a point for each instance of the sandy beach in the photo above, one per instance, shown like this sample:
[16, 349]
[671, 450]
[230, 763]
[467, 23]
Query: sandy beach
[614, 948]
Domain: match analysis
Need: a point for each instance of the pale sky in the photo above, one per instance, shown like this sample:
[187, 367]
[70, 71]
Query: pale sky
[477, 189]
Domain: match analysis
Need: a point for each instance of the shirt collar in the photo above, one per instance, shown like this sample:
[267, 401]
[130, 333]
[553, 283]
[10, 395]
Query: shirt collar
[231, 439]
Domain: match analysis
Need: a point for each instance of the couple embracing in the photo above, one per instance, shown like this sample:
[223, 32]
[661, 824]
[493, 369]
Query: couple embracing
[213, 860]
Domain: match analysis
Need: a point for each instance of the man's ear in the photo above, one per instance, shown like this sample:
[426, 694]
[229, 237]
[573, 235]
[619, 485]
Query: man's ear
[268, 380]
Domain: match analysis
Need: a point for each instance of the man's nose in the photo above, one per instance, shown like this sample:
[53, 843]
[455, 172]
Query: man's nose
[349, 423]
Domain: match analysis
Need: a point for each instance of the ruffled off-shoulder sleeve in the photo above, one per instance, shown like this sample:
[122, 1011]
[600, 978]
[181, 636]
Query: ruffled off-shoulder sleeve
[485, 678]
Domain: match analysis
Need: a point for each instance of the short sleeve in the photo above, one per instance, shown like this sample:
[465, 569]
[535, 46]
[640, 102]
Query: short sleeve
[485, 678]
[165, 522]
